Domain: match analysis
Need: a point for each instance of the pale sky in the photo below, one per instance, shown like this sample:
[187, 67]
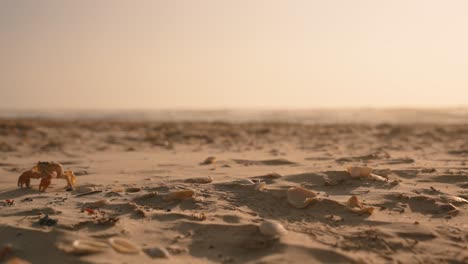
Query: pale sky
[114, 54]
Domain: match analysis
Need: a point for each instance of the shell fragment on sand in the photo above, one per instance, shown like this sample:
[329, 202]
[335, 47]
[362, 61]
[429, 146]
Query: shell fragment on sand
[364, 172]
[123, 245]
[357, 206]
[178, 195]
[272, 228]
[452, 199]
[300, 197]
[88, 246]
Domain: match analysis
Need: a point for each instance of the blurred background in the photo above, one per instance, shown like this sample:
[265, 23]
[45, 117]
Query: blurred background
[243, 54]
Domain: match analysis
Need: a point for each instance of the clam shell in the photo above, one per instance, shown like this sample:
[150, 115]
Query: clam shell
[300, 197]
[179, 195]
[199, 180]
[88, 246]
[272, 228]
[242, 182]
[359, 172]
[123, 246]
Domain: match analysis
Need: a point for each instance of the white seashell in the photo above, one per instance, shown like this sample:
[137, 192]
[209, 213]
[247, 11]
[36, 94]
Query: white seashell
[88, 246]
[272, 228]
[123, 246]
[300, 197]
[243, 182]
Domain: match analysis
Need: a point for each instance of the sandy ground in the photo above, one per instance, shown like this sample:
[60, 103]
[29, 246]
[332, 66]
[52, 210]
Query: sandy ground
[416, 219]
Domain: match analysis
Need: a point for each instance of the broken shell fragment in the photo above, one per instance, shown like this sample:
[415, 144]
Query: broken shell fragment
[123, 246]
[359, 172]
[200, 180]
[300, 197]
[272, 228]
[357, 206]
[88, 246]
[364, 172]
[179, 195]
[452, 199]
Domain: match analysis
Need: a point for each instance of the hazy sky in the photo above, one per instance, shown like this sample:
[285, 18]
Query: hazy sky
[233, 54]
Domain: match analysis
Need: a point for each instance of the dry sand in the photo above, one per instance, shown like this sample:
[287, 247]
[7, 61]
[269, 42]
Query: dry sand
[413, 221]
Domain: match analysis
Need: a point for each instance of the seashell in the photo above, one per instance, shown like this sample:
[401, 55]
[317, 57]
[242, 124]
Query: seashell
[123, 246]
[364, 172]
[200, 180]
[300, 197]
[96, 204]
[452, 199]
[88, 246]
[357, 206]
[157, 252]
[243, 182]
[260, 186]
[272, 228]
[354, 202]
[359, 172]
[179, 195]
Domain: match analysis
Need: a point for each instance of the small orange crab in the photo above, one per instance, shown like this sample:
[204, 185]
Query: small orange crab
[46, 171]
